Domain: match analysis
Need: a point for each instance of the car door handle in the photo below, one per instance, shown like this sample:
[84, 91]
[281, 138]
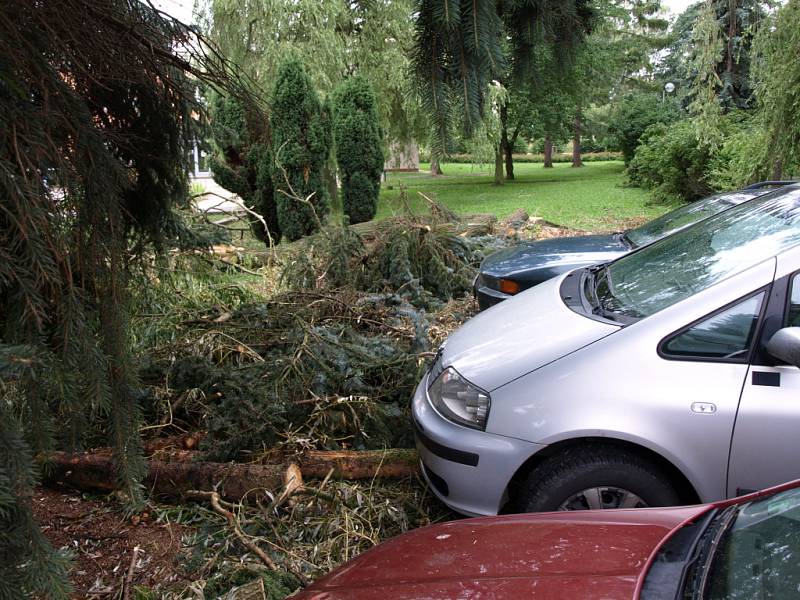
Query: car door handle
[767, 378]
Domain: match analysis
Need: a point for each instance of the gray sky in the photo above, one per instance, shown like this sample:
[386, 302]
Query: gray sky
[182, 9]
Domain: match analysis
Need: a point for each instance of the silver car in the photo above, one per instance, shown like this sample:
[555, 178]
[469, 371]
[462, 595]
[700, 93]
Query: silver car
[667, 376]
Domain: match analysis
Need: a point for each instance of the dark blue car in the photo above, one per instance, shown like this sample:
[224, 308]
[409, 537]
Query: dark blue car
[513, 270]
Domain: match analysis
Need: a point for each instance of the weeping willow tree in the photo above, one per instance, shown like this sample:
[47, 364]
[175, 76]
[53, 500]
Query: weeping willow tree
[460, 47]
[777, 72]
[334, 40]
[94, 120]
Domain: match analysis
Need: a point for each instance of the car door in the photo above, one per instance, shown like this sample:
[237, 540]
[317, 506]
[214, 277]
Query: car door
[765, 447]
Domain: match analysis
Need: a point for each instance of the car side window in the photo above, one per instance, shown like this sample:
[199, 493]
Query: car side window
[726, 334]
[793, 310]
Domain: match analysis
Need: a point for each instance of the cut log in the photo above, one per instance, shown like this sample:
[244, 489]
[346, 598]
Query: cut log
[393, 463]
[186, 441]
[234, 481]
[479, 225]
[516, 219]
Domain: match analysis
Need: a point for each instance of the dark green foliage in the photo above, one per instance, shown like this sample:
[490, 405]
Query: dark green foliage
[301, 142]
[337, 369]
[243, 161]
[426, 264]
[422, 260]
[459, 49]
[27, 562]
[737, 23]
[275, 585]
[94, 118]
[358, 148]
[636, 113]
[671, 162]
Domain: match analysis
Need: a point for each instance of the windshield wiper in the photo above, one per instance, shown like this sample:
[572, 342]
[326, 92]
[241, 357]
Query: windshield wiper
[695, 576]
[600, 274]
[625, 239]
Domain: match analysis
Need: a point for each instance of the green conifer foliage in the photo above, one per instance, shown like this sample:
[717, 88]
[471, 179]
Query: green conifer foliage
[301, 141]
[358, 148]
[94, 121]
[242, 162]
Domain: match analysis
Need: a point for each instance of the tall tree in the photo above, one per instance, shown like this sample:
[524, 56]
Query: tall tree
[618, 55]
[94, 123]
[778, 93]
[459, 49]
[242, 161]
[301, 142]
[358, 139]
[334, 40]
[719, 62]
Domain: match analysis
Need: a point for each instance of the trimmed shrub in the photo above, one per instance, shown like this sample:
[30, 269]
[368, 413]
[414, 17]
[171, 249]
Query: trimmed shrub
[358, 148]
[242, 162]
[301, 141]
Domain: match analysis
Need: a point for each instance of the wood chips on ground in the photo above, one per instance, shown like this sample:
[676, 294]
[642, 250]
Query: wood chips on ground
[102, 540]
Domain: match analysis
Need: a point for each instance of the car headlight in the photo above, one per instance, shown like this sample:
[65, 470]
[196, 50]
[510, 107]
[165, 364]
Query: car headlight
[458, 400]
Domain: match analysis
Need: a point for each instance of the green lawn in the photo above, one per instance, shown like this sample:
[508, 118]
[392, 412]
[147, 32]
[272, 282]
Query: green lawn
[591, 198]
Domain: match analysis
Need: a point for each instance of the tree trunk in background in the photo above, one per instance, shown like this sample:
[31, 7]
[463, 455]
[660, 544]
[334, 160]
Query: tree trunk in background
[777, 170]
[506, 144]
[435, 168]
[498, 164]
[508, 149]
[329, 173]
[576, 140]
[548, 153]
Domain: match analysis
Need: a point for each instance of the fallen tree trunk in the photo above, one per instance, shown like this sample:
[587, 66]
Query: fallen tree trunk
[393, 463]
[233, 481]
[97, 472]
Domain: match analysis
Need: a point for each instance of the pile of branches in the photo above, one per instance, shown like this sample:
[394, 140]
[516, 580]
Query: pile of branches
[425, 259]
[304, 370]
[316, 379]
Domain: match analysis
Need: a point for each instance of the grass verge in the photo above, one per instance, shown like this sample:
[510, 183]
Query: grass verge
[593, 197]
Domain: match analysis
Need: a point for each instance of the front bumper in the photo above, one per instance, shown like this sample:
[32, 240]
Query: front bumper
[467, 469]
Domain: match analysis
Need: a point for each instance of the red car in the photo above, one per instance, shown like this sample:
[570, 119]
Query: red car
[747, 548]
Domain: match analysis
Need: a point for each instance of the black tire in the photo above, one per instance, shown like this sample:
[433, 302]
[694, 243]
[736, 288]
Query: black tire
[563, 477]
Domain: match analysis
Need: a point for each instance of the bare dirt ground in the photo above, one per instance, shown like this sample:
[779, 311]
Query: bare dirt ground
[102, 539]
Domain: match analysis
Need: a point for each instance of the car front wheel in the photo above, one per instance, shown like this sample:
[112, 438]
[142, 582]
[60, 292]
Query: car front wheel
[595, 477]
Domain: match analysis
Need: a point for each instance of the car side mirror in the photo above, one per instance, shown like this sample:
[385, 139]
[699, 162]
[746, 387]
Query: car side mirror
[785, 345]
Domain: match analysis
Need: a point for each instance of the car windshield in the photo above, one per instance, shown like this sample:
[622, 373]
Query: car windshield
[693, 259]
[759, 556]
[685, 216]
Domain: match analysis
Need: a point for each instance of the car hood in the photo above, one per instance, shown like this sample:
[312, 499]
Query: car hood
[554, 255]
[584, 554]
[520, 335]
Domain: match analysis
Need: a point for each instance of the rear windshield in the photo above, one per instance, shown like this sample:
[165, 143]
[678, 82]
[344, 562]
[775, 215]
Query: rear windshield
[685, 263]
[685, 216]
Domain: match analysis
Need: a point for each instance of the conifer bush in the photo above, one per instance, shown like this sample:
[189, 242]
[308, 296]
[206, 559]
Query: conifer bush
[301, 142]
[358, 148]
[243, 162]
